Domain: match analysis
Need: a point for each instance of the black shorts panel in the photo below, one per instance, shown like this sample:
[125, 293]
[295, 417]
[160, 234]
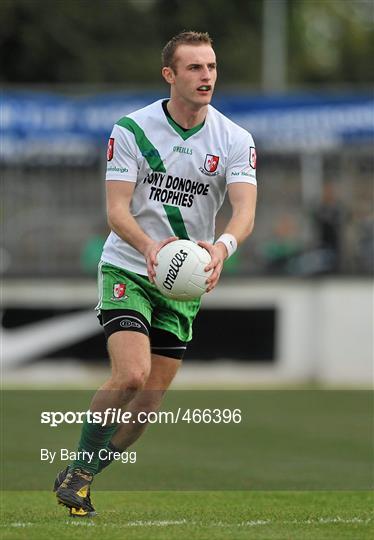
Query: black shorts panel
[119, 320]
[162, 342]
[167, 344]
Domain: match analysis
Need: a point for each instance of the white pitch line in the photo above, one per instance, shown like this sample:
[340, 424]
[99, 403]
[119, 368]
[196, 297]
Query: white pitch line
[162, 523]
[316, 521]
[255, 523]
[81, 523]
[337, 519]
[169, 523]
[20, 524]
[139, 523]
[219, 524]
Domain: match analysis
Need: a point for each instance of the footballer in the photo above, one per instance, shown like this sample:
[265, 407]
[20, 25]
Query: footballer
[169, 166]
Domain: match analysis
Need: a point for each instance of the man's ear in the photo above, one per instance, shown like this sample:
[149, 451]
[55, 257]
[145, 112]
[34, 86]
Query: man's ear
[168, 75]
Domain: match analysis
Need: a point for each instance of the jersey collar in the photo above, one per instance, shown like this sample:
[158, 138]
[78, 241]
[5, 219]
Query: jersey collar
[184, 133]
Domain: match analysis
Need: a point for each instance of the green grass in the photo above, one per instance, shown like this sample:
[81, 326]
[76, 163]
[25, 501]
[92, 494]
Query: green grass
[193, 515]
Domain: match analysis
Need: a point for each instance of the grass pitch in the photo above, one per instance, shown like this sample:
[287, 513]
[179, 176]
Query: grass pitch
[193, 515]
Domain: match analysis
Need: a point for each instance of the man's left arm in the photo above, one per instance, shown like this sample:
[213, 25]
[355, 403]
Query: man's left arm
[242, 198]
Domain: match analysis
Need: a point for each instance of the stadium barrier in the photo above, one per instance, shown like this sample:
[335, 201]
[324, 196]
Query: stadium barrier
[279, 330]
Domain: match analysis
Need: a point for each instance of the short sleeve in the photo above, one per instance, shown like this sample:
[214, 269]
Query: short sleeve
[122, 161]
[241, 165]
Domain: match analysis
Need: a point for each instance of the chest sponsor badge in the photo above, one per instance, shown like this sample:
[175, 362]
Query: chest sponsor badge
[210, 165]
[252, 157]
[110, 149]
[119, 290]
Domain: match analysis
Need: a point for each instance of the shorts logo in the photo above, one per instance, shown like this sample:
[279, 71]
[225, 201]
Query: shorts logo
[129, 324]
[252, 157]
[110, 149]
[210, 165]
[119, 290]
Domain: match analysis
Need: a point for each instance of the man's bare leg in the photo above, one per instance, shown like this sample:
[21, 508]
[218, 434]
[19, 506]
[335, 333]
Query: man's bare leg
[131, 365]
[163, 371]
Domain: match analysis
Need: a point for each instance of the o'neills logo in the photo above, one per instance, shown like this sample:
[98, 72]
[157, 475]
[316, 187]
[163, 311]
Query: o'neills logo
[175, 265]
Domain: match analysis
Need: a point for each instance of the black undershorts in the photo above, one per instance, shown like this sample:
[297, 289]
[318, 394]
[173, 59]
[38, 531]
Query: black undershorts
[162, 342]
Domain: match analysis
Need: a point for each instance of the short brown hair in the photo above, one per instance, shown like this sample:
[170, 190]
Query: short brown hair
[183, 38]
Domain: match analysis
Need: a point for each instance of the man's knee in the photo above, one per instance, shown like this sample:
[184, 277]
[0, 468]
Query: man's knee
[135, 379]
[131, 360]
[131, 378]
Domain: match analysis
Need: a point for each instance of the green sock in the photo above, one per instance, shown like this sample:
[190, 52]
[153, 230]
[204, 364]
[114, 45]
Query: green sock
[94, 437]
[108, 459]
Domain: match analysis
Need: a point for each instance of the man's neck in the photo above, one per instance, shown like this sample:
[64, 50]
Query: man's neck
[184, 115]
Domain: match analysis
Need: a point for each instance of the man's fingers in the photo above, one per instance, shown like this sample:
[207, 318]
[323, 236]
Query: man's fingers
[210, 266]
[152, 261]
[216, 265]
[205, 245]
[213, 282]
[214, 277]
[168, 240]
[150, 270]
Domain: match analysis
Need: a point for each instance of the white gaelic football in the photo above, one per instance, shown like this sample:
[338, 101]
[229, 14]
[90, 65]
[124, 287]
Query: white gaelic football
[180, 271]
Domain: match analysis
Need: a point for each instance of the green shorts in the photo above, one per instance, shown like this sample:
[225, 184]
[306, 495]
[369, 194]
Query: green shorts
[122, 289]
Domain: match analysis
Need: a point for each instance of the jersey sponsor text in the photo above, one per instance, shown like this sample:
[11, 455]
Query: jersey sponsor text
[174, 190]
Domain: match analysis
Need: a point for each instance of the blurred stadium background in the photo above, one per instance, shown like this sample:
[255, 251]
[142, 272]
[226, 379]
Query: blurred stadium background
[297, 298]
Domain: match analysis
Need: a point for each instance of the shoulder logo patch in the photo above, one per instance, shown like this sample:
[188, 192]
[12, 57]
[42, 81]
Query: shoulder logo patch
[110, 149]
[252, 157]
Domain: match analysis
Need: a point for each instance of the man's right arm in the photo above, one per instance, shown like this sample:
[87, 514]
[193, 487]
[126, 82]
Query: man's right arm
[121, 221]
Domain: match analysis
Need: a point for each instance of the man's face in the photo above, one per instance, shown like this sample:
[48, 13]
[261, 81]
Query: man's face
[195, 74]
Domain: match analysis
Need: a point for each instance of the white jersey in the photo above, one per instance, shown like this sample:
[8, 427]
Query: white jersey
[181, 176]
